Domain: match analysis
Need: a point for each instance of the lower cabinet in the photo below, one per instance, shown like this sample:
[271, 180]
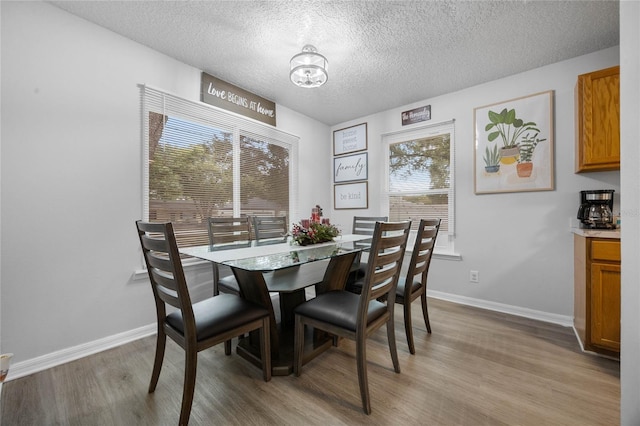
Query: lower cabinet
[597, 294]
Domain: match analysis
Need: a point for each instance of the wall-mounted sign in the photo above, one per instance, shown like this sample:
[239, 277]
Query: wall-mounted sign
[216, 92]
[350, 167]
[416, 115]
[351, 196]
[351, 139]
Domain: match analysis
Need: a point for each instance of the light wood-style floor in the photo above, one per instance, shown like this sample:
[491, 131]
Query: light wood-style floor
[477, 368]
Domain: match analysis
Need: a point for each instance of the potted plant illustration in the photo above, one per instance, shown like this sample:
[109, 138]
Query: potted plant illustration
[509, 128]
[524, 168]
[491, 159]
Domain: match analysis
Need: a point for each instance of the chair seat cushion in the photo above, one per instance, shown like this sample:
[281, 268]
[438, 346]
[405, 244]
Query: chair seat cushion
[339, 308]
[415, 286]
[228, 283]
[218, 314]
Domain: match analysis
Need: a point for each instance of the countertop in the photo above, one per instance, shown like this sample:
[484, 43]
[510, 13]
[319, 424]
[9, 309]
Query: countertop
[597, 233]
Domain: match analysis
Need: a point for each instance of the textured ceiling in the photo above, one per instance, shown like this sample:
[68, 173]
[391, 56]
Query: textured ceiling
[382, 54]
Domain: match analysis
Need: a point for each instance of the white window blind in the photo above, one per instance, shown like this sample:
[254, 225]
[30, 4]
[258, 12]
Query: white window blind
[200, 161]
[420, 177]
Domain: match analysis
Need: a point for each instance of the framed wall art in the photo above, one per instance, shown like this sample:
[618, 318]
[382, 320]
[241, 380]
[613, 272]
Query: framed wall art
[350, 139]
[351, 196]
[514, 145]
[350, 167]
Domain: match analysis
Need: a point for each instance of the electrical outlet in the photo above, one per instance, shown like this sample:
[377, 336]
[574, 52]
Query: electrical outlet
[474, 277]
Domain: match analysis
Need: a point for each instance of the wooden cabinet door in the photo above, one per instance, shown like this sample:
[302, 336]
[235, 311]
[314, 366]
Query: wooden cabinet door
[605, 305]
[598, 121]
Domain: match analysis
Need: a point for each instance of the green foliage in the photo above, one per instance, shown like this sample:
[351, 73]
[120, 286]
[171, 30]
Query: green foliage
[316, 233]
[527, 147]
[431, 155]
[202, 172]
[491, 157]
[508, 127]
[198, 173]
[264, 169]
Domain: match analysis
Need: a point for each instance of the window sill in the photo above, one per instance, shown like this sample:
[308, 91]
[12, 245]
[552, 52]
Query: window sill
[446, 255]
[194, 264]
[440, 254]
[187, 264]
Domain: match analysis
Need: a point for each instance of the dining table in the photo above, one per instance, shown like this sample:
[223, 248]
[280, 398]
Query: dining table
[285, 271]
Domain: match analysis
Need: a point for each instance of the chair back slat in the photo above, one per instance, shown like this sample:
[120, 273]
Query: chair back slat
[154, 243]
[159, 261]
[270, 229]
[385, 260]
[162, 279]
[164, 266]
[227, 230]
[170, 298]
[422, 252]
[364, 225]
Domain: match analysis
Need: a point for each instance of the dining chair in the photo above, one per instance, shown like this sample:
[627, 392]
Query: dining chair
[193, 326]
[362, 225]
[410, 288]
[227, 233]
[356, 316]
[270, 229]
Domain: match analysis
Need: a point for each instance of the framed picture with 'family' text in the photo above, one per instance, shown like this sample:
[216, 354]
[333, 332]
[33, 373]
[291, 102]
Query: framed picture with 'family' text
[350, 167]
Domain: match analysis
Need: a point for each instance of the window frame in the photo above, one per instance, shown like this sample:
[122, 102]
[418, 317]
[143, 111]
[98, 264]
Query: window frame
[168, 104]
[445, 242]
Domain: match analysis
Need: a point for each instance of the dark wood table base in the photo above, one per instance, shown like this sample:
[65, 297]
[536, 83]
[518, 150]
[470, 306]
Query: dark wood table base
[290, 286]
[315, 343]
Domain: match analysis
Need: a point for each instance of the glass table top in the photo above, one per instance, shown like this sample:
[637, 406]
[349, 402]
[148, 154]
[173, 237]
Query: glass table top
[275, 256]
[296, 255]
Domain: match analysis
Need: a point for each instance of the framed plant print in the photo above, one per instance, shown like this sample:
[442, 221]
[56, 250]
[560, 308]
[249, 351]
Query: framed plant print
[350, 139]
[514, 145]
[351, 196]
[350, 167]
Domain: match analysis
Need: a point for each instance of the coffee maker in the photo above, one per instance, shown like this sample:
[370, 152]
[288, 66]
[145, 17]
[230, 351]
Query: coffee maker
[596, 209]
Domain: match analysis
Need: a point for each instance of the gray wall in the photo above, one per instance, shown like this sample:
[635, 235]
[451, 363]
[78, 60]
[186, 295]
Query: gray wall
[72, 180]
[630, 135]
[520, 243]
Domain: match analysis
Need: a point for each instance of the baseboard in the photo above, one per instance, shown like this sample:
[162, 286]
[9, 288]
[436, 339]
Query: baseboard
[578, 338]
[563, 320]
[24, 368]
[34, 365]
[586, 351]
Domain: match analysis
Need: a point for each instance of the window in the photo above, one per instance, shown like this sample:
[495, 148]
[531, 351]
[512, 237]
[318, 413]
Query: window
[200, 162]
[419, 166]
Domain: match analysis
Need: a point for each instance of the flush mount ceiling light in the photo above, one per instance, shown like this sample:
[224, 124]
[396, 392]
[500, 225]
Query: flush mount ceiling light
[309, 68]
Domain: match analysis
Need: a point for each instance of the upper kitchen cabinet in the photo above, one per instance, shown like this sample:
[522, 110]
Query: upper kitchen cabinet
[598, 121]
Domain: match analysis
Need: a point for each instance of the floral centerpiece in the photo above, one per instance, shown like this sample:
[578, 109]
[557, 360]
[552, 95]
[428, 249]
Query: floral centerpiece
[316, 233]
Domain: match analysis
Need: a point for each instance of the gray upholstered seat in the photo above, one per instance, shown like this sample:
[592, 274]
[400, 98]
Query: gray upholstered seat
[340, 309]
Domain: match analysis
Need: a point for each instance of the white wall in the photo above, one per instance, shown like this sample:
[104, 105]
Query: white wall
[630, 135]
[72, 178]
[519, 242]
